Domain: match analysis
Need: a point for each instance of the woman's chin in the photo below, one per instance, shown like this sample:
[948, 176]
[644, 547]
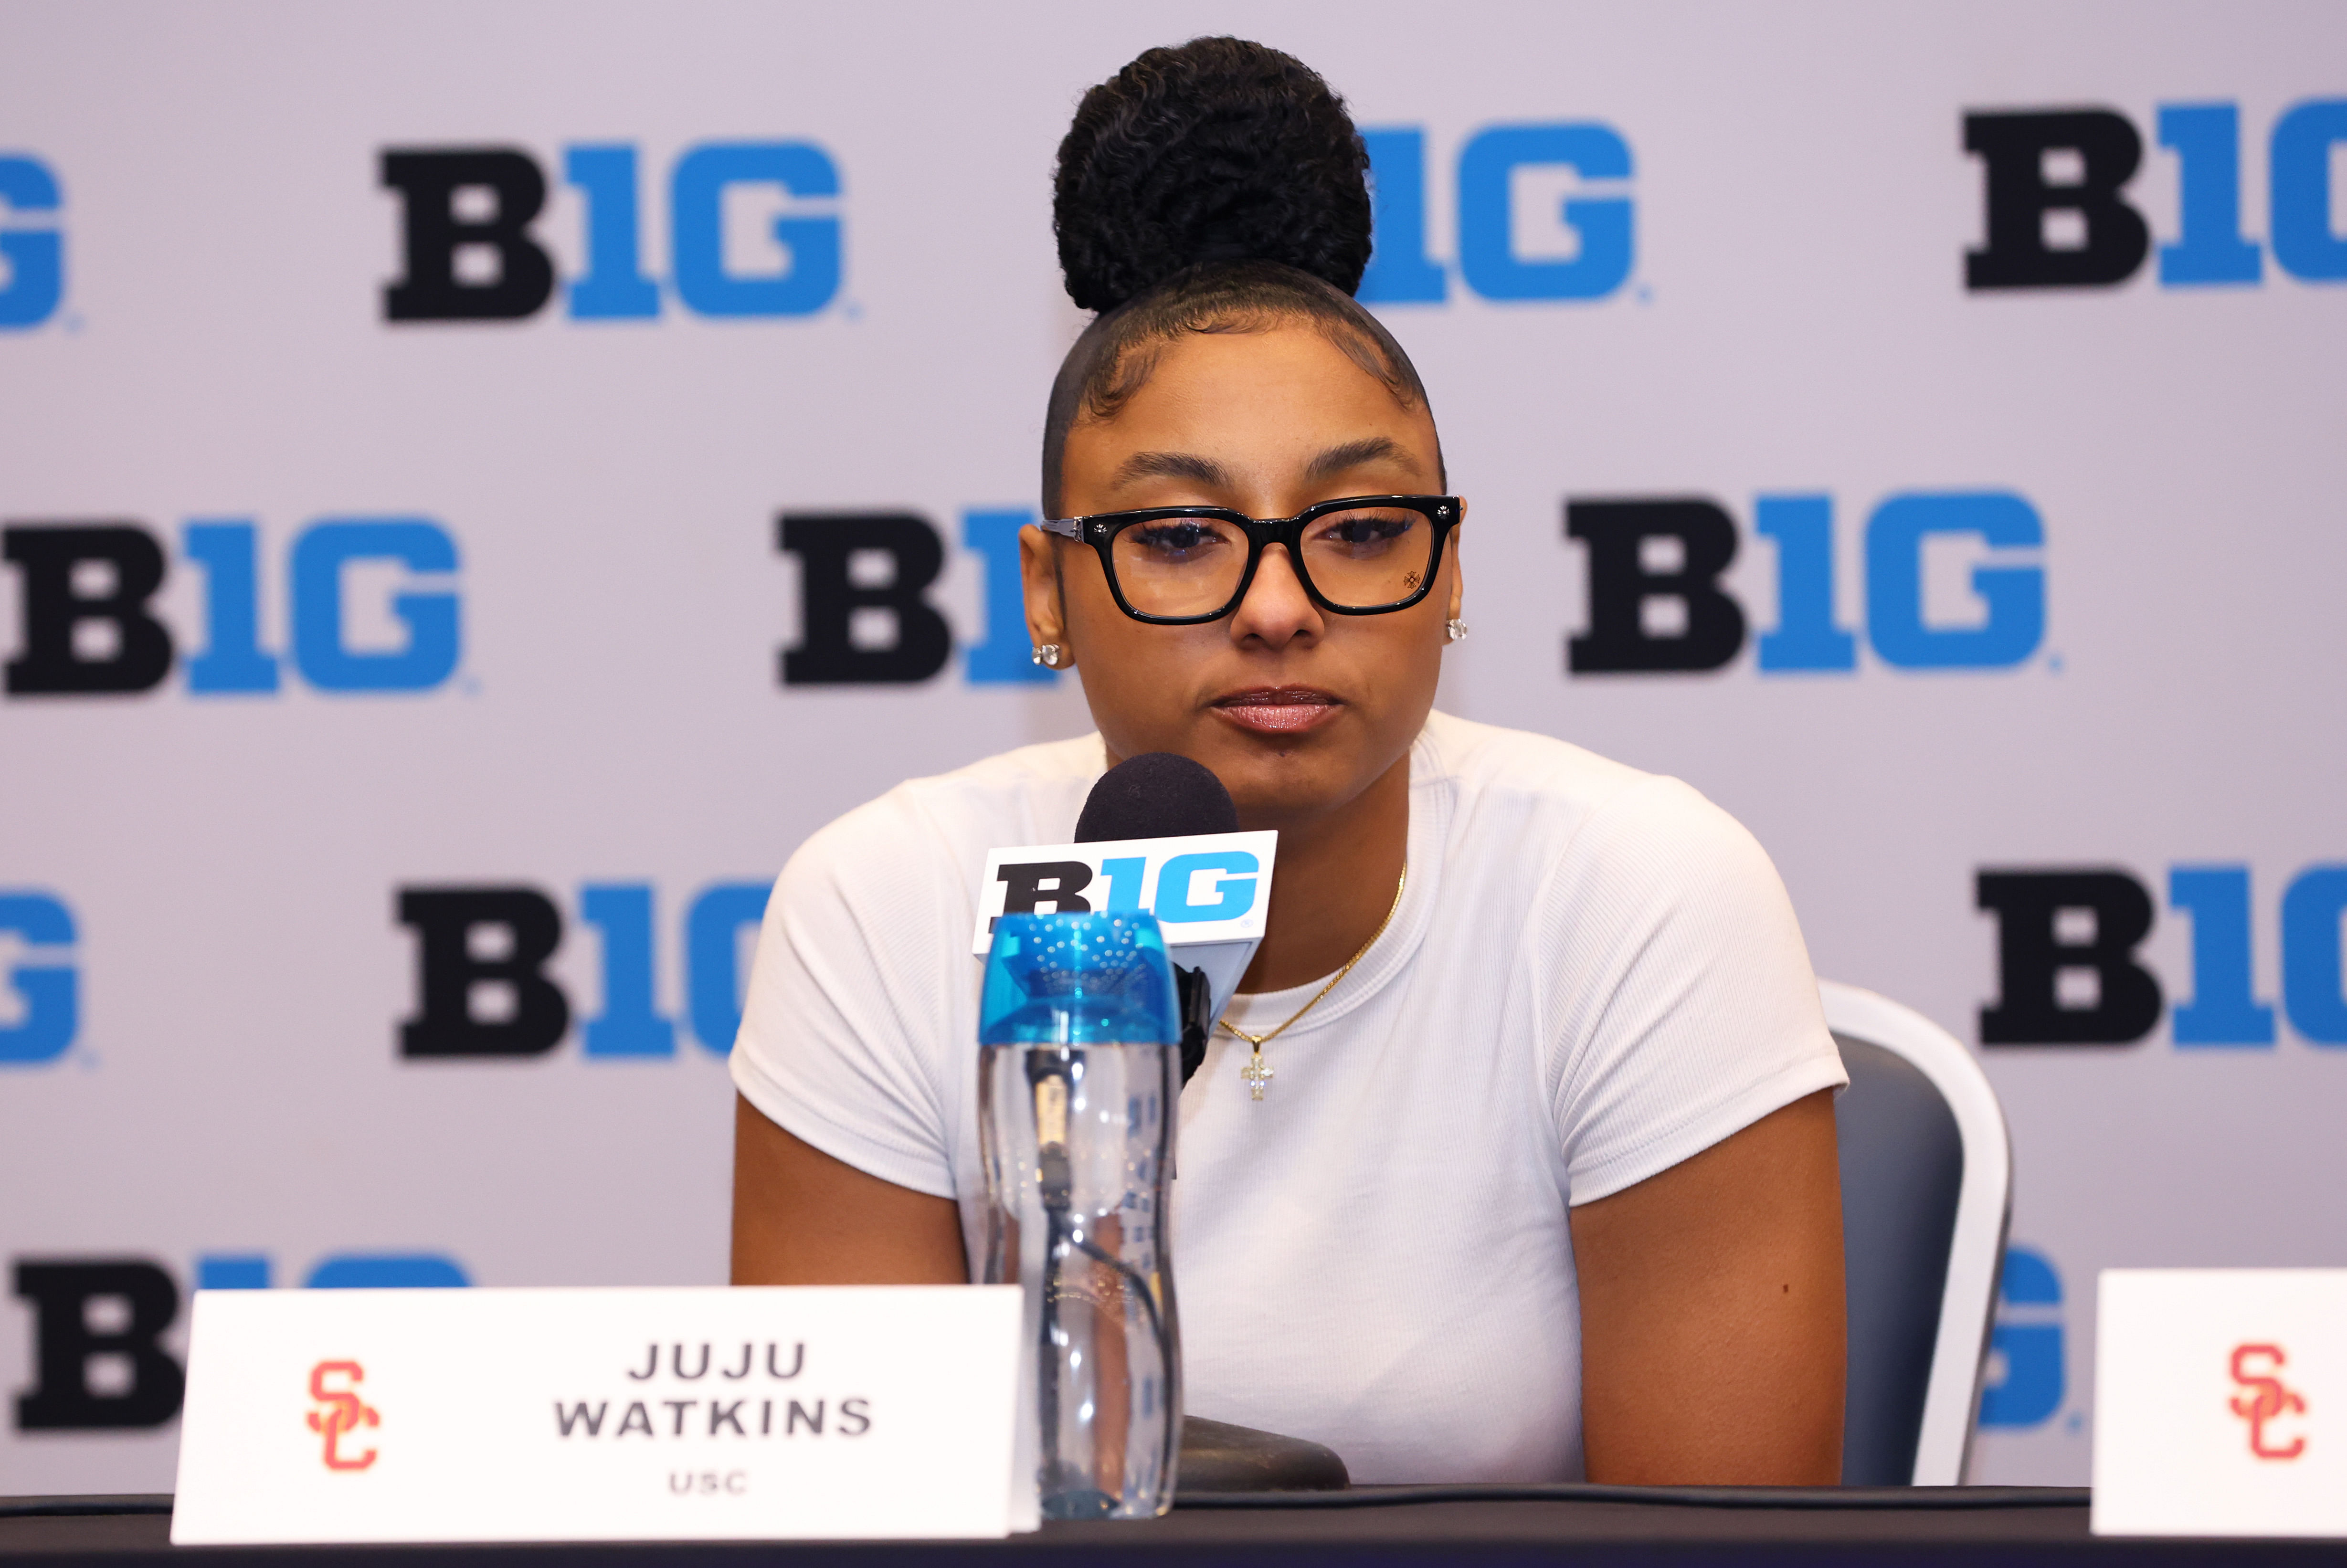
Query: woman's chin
[1275, 790]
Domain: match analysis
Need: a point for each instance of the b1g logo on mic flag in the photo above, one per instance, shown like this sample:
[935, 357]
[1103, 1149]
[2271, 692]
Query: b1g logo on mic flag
[1207, 888]
[1210, 892]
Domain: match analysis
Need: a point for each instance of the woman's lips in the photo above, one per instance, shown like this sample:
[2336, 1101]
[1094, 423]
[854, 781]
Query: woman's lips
[1278, 710]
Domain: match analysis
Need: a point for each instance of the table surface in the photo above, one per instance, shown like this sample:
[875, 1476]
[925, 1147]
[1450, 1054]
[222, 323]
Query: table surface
[1493, 1525]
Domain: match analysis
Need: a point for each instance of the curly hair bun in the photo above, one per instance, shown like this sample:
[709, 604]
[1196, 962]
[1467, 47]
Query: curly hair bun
[1219, 151]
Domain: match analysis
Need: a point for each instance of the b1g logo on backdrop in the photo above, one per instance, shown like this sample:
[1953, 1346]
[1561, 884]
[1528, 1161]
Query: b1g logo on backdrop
[2068, 971]
[99, 1363]
[1656, 604]
[468, 254]
[2058, 216]
[481, 985]
[1543, 212]
[2027, 1371]
[40, 984]
[865, 615]
[32, 249]
[87, 624]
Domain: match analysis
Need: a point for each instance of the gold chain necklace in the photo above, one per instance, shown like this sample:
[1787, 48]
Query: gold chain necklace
[1257, 1071]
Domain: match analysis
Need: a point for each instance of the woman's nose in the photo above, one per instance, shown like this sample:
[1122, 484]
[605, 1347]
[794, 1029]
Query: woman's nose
[1277, 610]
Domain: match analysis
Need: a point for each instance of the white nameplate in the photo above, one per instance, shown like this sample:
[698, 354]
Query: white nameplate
[2220, 1402]
[1210, 892]
[600, 1415]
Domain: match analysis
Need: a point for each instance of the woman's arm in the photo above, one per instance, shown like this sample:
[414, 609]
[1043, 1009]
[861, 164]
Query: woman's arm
[800, 1217]
[1712, 1335]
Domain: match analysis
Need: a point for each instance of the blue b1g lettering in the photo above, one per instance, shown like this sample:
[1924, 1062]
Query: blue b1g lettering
[468, 254]
[85, 596]
[2028, 1376]
[32, 248]
[1599, 215]
[43, 979]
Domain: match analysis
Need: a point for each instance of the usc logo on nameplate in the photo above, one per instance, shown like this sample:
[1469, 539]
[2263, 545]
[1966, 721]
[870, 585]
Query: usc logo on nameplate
[2216, 1394]
[341, 1412]
[2267, 1399]
[601, 1415]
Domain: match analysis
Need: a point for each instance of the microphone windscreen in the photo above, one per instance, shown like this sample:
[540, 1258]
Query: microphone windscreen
[1156, 795]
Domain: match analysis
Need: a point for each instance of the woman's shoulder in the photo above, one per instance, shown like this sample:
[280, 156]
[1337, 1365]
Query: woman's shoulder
[1489, 765]
[1548, 798]
[944, 824]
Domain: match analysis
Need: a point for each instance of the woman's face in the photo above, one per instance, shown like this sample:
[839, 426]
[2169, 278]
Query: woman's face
[1295, 710]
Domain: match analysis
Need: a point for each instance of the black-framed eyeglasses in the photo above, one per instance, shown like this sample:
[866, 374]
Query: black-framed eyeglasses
[1182, 566]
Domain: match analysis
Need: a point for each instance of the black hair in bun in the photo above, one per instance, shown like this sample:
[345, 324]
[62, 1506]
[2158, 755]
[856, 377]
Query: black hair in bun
[1219, 187]
[1219, 151]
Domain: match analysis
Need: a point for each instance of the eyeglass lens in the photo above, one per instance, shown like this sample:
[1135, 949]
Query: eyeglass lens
[1359, 558]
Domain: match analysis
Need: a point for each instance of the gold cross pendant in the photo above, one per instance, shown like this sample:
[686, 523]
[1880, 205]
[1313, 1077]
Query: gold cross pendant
[1258, 1074]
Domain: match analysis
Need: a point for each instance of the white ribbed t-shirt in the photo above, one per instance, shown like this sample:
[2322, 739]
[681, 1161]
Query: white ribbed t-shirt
[1594, 974]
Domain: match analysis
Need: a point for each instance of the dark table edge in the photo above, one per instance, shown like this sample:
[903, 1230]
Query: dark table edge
[1894, 1498]
[1819, 1498]
[80, 1503]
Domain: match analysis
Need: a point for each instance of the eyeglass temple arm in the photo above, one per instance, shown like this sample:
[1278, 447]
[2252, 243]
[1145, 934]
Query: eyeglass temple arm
[1066, 527]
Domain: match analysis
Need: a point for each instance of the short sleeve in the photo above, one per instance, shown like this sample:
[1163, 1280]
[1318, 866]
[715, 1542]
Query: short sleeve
[843, 1031]
[1686, 1008]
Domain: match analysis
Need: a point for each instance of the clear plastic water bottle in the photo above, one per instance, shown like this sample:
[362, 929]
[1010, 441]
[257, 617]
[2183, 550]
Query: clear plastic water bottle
[1079, 1083]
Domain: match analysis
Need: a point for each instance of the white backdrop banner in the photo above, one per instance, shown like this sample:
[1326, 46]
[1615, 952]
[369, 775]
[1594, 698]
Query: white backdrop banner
[480, 484]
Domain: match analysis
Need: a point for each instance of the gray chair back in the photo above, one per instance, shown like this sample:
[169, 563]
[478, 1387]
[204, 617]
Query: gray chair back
[1926, 1185]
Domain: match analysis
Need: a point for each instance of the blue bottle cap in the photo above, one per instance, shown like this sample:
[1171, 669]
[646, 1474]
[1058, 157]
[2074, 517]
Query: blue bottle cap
[1078, 980]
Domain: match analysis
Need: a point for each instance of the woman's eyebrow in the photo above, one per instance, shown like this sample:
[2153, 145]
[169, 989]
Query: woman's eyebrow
[1171, 466]
[1355, 454]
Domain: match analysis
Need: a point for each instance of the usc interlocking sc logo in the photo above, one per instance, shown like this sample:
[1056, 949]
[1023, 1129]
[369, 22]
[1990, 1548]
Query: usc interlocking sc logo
[341, 1412]
[2265, 1400]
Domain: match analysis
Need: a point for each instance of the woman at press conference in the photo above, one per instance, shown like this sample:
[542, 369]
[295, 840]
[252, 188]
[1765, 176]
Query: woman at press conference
[1513, 1159]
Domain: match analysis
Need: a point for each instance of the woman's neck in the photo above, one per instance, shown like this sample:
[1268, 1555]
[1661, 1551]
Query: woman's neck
[1333, 884]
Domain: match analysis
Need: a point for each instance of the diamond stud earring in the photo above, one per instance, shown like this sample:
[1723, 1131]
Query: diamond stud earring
[1046, 655]
[1454, 630]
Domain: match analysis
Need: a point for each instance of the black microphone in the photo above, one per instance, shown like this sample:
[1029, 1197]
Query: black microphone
[1160, 796]
[1156, 795]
